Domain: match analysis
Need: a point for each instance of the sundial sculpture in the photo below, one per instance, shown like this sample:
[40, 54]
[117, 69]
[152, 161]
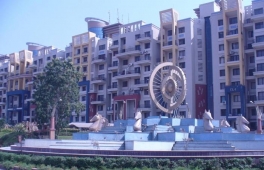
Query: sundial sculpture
[167, 86]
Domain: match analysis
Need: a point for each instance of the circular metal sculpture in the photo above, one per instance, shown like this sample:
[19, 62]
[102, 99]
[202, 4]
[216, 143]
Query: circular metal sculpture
[167, 86]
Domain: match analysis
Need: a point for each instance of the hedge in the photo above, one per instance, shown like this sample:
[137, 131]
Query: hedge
[83, 163]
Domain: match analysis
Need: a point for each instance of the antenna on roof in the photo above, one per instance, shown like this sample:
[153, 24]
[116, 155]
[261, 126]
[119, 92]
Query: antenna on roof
[109, 16]
[117, 16]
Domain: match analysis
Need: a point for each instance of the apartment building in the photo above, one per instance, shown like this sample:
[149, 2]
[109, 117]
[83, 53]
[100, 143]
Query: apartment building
[83, 50]
[4, 66]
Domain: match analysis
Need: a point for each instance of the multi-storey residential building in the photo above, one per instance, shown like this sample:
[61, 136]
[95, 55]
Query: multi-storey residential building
[83, 50]
[4, 66]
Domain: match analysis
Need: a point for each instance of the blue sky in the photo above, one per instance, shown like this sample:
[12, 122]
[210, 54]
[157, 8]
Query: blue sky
[54, 22]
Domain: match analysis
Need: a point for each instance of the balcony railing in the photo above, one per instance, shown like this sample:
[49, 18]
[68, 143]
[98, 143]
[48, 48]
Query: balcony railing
[101, 99]
[142, 82]
[233, 58]
[129, 72]
[143, 36]
[98, 78]
[112, 86]
[260, 97]
[248, 47]
[232, 32]
[98, 58]
[129, 49]
[112, 65]
[143, 59]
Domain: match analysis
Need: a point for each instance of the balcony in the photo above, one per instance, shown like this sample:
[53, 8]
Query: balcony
[82, 92]
[259, 43]
[114, 46]
[32, 66]
[127, 74]
[23, 75]
[233, 60]
[143, 38]
[142, 83]
[144, 107]
[98, 80]
[250, 75]
[143, 61]
[3, 72]
[259, 72]
[249, 48]
[125, 53]
[232, 34]
[110, 110]
[98, 101]
[168, 45]
[98, 60]
[257, 16]
[37, 71]
[3, 88]
[260, 100]
[2, 102]
[112, 88]
[112, 67]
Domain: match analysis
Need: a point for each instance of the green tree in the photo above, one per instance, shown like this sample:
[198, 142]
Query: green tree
[57, 93]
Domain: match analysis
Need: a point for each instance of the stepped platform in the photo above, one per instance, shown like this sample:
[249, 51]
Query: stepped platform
[208, 145]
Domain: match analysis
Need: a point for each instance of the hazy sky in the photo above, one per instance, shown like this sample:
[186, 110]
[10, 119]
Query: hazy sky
[54, 22]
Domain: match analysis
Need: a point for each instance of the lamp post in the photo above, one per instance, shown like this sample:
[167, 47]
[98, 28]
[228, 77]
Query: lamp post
[188, 109]
[259, 118]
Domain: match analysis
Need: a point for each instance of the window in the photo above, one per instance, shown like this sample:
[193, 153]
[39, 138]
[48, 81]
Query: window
[147, 103]
[137, 36]
[220, 22]
[147, 56]
[101, 67]
[114, 85]
[84, 59]
[182, 53]
[48, 58]
[258, 11]
[181, 41]
[260, 67]
[85, 49]
[221, 60]
[222, 86]
[83, 88]
[222, 73]
[236, 98]
[124, 83]
[147, 45]
[223, 112]
[147, 34]
[261, 81]
[233, 20]
[137, 47]
[54, 56]
[100, 107]
[83, 118]
[260, 53]
[252, 59]
[137, 69]
[147, 68]
[146, 79]
[199, 43]
[170, 33]
[137, 58]
[101, 87]
[221, 35]
[170, 55]
[221, 47]
[260, 38]
[84, 69]
[253, 112]
[181, 30]
[115, 63]
[77, 119]
[84, 78]
[258, 25]
[182, 65]
[137, 81]
[146, 92]
[200, 77]
[200, 67]
[17, 67]
[101, 47]
[235, 71]
[115, 42]
[260, 95]
[200, 55]
[253, 84]
[236, 111]
[83, 98]
[235, 46]
[125, 62]
[100, 97]
[115, 53]
[114, 74]
[250, 34]
[222, 99]
[199, 31]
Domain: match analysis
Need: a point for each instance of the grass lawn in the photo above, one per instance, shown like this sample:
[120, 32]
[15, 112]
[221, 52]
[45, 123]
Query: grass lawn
[64, 137]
